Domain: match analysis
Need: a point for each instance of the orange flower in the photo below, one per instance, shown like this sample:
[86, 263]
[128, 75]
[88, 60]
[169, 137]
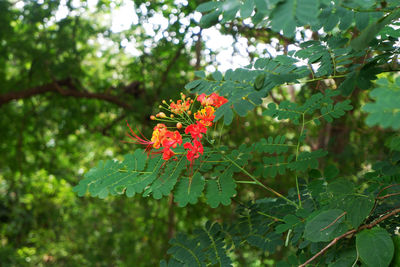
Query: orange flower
[179, 107]
[212, 100]
[205, 116]
[158, 135]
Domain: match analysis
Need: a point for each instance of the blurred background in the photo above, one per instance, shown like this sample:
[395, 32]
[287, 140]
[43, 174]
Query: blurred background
[72, 72]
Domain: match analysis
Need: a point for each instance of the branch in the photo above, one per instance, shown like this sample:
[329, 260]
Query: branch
[335, 240]
[388, 195]
[62, 87]
[378, 197]
[332, 223]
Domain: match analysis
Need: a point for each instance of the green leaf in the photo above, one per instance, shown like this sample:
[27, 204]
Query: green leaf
[259, 82]
[307, 160]
[217, 75]
[331, 171]
[307, 11]
[246, 9]
[268, 242]
[221, 190]
[367, 35]
[213, 243]
[209, 19]
[272, 145]
[385, 112]
[346, 258]
[166, 182]
[200, 74]
[290, 221]
[375, 247]
[113, 177]
[358, 208]
[283, 18]
[189, 189]
[192, 84]
[226, 111]
[340, 187]
[285, 110]
[242, 107]
[394, 143]
[323, 227]
[208, 6]
[396, 257]
[331, 112]
[187, 251]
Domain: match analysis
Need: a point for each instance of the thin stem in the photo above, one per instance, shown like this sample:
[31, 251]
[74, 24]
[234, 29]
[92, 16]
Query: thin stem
[246, 182]
[297, 155]
[220, 133]
[270, 216]
[261, 184]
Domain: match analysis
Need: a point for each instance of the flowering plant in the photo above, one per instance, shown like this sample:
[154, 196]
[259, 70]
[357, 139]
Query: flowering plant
[165, 140]
[327, 218]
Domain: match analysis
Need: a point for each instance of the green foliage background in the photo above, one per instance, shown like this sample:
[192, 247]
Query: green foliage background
[64, 99]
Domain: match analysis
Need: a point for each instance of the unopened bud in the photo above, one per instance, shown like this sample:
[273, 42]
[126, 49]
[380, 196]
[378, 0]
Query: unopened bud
[172, 115]
[179, 125]
[162, 115]
[152, 117]
[164, 102]
[189, 112]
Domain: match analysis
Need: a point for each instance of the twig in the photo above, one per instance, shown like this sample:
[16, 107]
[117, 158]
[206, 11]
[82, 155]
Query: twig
[336, 239]
[388, 195]
[377, 196]
[332, 223]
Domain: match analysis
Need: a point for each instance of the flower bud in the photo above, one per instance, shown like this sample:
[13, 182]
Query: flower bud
[179, 125]
[162, 115]
[189, 112]
[152, 117]
[172, 115]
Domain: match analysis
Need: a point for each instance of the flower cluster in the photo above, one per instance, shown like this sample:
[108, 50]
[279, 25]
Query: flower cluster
[164, 140]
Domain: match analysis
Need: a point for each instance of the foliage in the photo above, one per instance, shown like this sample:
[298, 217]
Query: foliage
[308, 173]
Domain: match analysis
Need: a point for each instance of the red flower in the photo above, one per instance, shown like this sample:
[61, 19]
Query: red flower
[212, 100]
[218, 100]
[194, 150]
[205, 116]
[196, 130]
[172, 139]
[205, 100]
[167, 153]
